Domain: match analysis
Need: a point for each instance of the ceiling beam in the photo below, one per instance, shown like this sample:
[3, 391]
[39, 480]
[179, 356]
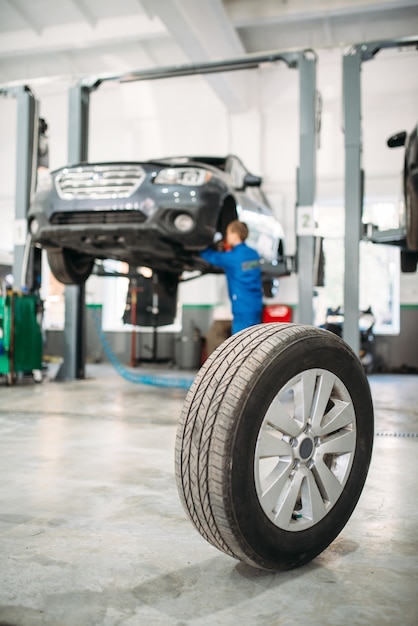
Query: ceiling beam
[18, 8]
[204, 32]
[85, 12]
[109, 31]
[249, 13]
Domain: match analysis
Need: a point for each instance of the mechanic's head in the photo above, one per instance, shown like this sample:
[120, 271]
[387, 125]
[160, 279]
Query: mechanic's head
[236, 233]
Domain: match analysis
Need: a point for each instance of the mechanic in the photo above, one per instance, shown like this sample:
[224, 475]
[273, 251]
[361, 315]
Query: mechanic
[241, 265]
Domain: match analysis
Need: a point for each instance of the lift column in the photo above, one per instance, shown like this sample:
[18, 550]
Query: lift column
[73, 365]
[353, 197]
[354, 177]
[306, 187]
[27, 144]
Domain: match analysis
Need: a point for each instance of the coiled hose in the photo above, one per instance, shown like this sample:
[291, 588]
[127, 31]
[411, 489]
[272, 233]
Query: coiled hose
[134, 377]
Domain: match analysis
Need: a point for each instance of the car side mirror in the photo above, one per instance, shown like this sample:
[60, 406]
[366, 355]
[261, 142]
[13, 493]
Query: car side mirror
[251, 181]
[397, 140]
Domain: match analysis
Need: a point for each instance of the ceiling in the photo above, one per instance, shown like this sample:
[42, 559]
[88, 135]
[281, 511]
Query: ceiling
[69, 39]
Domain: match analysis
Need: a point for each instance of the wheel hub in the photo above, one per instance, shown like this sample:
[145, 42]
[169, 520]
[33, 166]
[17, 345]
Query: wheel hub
[306, 448]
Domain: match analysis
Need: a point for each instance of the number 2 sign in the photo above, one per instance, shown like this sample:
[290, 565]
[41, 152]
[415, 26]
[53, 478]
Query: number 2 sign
[305, 220]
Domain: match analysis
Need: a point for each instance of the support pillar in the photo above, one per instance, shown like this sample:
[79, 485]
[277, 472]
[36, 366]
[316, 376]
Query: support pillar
[306, 187]
[27, 145]
[73, 365]
[353, 196]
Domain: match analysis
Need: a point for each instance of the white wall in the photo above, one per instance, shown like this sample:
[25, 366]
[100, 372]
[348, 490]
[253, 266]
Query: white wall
[182, 116]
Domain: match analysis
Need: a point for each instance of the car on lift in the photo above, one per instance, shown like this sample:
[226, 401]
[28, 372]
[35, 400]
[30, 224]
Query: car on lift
[156, 214]
[409, 217]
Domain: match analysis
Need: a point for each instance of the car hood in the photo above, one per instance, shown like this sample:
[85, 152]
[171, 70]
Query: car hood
[212, 163]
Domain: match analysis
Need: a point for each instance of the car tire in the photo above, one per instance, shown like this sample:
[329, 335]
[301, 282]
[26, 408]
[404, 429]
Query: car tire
[409, 261]
[270, 287]
[70, 267]
[411, 208]
[261, 479]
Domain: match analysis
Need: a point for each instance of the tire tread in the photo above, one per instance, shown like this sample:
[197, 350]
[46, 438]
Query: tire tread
[198, 475]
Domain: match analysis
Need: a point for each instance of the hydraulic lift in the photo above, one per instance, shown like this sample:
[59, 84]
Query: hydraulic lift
[79, 95]
[74, 331]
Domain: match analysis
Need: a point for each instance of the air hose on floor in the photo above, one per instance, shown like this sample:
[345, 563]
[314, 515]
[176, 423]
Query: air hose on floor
[385, 433]
[134, 377]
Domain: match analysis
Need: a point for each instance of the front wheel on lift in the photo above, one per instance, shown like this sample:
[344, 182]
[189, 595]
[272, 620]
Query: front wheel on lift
[274, 444]
[70, 267]
[411, 209]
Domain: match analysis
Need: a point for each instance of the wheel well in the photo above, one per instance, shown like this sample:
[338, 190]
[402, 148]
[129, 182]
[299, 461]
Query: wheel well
[227, 215]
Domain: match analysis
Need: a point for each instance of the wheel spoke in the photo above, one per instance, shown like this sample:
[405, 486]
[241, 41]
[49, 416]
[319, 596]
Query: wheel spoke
[330, 486]
[287, 501]
[271, 445]
[305, 396]
[325, 385]
[313, 506]
[278, 417]
[274, 486]
[340, 416]
[340, 443]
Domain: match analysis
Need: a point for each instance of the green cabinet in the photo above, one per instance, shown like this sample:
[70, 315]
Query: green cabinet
[20, 333]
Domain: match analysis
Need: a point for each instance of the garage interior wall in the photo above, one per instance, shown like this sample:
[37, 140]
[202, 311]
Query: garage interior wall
[141, 120]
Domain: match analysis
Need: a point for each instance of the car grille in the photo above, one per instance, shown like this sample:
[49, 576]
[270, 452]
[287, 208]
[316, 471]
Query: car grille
[99, 181]
[98, 217]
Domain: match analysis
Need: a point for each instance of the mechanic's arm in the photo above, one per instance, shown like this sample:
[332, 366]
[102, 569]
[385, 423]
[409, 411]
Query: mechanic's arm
[214, 257]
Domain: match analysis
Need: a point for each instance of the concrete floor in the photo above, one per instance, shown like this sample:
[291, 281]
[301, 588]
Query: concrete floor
[93, 532]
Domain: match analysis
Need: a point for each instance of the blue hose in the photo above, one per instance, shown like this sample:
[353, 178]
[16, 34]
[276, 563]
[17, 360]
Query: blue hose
[133, 377]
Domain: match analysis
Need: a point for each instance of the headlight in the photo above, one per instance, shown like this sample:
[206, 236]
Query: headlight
[34, 226]
[189, 176]
[44, 180]
[183, 222]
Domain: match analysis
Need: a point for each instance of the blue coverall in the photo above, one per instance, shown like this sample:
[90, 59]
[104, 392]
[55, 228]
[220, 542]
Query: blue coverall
[242, 269]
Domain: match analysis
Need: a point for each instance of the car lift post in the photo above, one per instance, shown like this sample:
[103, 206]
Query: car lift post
[354, 178]
[74, 351]
[26, 161]
[306, 183]
[353, 197]
[26, 260]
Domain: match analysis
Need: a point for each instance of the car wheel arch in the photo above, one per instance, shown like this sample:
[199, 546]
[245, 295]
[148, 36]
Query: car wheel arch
[227, 214]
